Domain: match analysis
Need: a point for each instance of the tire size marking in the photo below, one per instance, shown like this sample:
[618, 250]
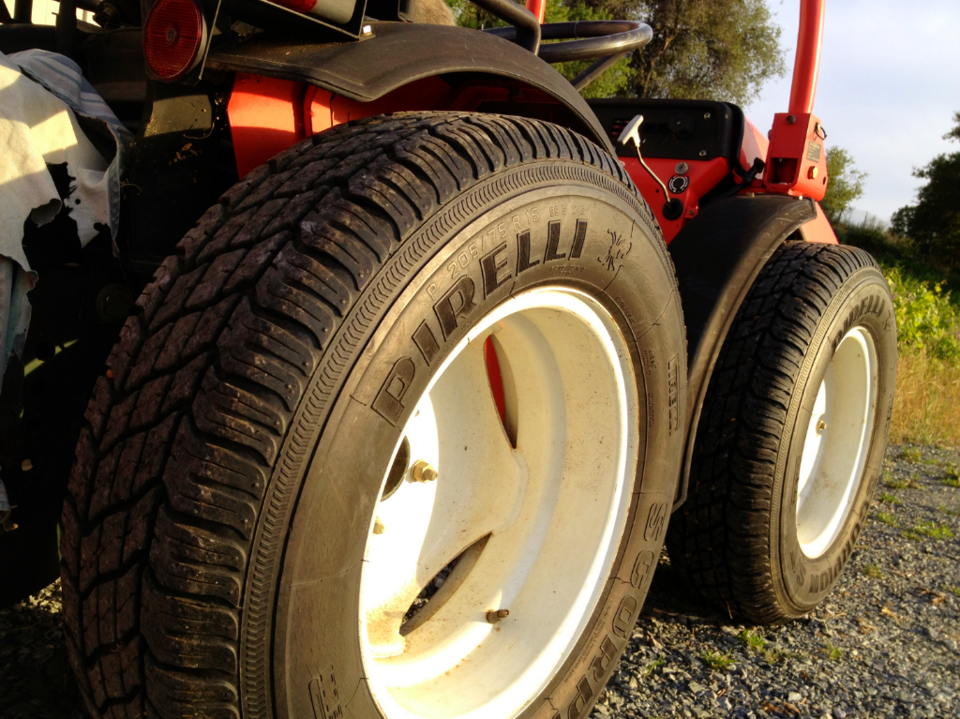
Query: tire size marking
[459, 264]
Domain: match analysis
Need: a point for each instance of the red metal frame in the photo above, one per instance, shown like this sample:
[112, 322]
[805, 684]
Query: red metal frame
[538, 8]
[265, 118]
[268, 115]
[703, 176]
[806, 67]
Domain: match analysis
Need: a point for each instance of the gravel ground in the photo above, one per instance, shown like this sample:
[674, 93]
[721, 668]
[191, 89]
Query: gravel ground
[884, 644]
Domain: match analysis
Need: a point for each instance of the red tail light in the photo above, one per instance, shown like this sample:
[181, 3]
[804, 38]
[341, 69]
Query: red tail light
[172, 37]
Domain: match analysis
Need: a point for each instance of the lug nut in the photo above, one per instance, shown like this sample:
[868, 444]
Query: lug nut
[495, 616]
[423, 472]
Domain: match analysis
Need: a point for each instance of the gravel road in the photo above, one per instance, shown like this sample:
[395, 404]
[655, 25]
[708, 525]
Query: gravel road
[884, 644]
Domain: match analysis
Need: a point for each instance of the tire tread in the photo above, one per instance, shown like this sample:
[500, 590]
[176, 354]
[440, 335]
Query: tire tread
[182, 432]
[719, 539]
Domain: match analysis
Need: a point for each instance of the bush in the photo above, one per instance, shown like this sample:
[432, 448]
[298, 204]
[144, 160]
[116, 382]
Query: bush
[928, 333]
[927, 320]
[928, 313]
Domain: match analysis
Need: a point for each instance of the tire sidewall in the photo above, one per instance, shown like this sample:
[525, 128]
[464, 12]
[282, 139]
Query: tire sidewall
[863, 301]
[317, 656]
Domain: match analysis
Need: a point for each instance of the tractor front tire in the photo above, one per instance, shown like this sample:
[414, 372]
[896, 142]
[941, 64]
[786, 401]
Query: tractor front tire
[393, 434]
[791, 435]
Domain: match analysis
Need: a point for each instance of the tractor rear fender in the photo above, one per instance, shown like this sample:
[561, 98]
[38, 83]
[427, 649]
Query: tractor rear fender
[394, 55]
[717, 257]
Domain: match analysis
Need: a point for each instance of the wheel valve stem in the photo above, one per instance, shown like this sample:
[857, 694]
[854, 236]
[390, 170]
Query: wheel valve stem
[494, 616]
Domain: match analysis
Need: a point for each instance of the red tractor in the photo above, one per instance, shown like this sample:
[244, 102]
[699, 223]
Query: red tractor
[423, 360]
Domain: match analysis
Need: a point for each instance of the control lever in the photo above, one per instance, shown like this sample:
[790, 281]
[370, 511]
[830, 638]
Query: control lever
[672, 208]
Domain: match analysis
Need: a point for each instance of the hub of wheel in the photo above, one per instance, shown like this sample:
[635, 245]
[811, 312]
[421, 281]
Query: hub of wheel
[540, 521]
[837, 439]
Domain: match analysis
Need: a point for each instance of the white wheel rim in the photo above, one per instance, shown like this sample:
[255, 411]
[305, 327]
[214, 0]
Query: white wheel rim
[836, 443]
[554, 510]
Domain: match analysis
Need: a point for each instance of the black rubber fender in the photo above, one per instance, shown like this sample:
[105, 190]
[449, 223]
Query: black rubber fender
[717, 256]
[397, 54]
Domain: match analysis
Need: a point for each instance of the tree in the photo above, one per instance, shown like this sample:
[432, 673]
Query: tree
[933, 224]
[705, 49]
[845, 186]
[701, 49]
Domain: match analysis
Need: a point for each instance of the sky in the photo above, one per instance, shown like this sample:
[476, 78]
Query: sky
[889, 87]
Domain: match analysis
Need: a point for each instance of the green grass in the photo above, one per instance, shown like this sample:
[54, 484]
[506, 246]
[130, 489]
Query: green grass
[717, 661]
[887, 518]
[872, 570]
[928, 529]
[776, 654]
[946, 510]
[834, 653]
[658, 662]
[889, 499]
[751, 640]
[911, 454]
[908, 483]
[926, 298]
[952, 479]
[952, 590]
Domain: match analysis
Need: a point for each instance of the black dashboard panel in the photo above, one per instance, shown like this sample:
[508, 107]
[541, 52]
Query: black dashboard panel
[676, 129]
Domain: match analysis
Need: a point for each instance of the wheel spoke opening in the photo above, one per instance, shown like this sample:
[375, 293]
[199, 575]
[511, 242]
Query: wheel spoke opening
[442, 587]
[398, 470]
[502, 386]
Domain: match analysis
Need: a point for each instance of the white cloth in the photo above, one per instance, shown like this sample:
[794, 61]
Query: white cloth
[40, 94]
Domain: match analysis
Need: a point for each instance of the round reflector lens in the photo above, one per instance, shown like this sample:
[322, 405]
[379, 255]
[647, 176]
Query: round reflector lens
[172, 36]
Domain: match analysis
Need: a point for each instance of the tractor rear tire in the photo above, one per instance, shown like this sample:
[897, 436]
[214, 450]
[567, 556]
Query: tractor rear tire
[393, 434]
[791, 435]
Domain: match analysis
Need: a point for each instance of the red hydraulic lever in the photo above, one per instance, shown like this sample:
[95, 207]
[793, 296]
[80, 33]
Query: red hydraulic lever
[807, 65]
[538, 8]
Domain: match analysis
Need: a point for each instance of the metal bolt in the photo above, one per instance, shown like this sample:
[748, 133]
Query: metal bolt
[681, 168]
[495, 616]
[703, 153]
[691, 212]
[791, 120]
[378, 527]
[821, 425]
[422, 471]
[706, 116]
